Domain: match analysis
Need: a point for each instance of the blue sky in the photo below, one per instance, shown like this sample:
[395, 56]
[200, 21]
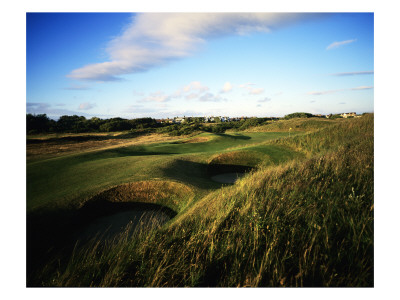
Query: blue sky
[166, 65]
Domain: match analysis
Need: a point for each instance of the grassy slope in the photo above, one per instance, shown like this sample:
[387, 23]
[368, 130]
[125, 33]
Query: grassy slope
[303, 223]
[297, 124]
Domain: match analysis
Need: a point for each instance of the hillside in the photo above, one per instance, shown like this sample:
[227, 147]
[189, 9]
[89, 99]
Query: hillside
[303, 216]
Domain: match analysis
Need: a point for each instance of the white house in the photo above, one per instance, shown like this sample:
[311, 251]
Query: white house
[179, 120]
[350, 114]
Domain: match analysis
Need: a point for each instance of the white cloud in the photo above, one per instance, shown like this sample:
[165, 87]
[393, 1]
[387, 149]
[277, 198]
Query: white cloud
[325, 92]
[362, 88]
[266, 99]
[152, 39]
[256, 91]
[339, 44]
[77, 87]
[195, 86]
[252, 91]
[353, 73]
[86, 106]
[246, 85]
[156, 97]
[341, 90]
[209, 97]
[191, 91]
[227, 87]
[191, 96]
[37, 106]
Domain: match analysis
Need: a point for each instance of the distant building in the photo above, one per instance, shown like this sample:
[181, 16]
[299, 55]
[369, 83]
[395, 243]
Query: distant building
[350, 114]
[225, 119]
[179, 120]
[209, 119]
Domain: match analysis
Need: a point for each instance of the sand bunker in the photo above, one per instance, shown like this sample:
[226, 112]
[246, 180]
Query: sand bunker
[142, 205]
[227, 177]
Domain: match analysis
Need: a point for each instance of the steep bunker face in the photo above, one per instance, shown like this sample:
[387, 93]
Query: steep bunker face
[133, 220]
[229, 167]
[132, 208]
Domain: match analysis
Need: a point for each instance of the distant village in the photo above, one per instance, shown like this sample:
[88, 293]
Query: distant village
[218, 119]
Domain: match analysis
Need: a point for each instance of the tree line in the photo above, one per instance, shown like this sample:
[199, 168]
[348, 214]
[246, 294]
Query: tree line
[41, 123]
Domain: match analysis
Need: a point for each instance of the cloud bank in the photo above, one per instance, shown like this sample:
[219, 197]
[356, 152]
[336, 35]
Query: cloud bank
[153, 39]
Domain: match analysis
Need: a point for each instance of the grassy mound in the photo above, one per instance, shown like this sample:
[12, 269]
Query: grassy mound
[302, 223]
[171, 194]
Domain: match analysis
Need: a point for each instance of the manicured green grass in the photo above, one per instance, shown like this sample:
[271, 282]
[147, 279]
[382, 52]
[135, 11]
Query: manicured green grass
[70, 179]
[304, 217]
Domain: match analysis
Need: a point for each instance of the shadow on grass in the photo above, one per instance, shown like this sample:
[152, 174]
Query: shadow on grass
[235, 137]
[190, 172]
[216, 169]
[52, 234]
[199, 174]
[115, 153]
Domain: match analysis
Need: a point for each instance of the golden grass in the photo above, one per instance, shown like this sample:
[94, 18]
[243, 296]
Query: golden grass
[200, 139]
[169, 193]
[248, 158]
[53, 148]
[296, 124]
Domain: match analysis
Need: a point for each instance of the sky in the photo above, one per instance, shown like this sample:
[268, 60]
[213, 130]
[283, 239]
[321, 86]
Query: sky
[160, 65]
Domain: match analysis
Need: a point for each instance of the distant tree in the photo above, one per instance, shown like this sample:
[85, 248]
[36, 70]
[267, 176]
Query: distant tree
[252, 122]
[217, 119]
[72, 124]
[94, 124]
[298, 115]
[38, 123]
[142, 123]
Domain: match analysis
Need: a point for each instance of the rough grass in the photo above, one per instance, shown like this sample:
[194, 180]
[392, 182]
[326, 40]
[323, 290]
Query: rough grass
[245, 158]
[302, 223]
[296, 125]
